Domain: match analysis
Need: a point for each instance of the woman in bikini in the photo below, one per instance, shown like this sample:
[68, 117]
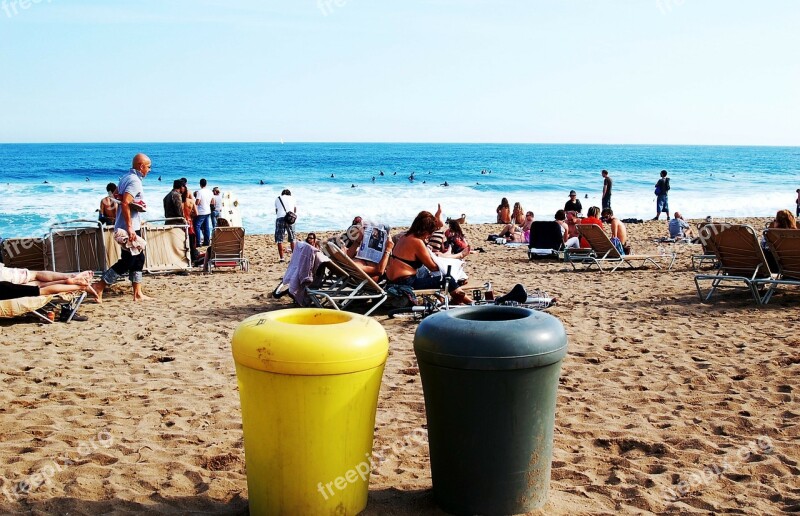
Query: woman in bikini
[504, 212]
[518, 214]
[410, 254]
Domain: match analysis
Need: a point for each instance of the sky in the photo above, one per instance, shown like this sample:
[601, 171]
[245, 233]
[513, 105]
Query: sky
[523, 71]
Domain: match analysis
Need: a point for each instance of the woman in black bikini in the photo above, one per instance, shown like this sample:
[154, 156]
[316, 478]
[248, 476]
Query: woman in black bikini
[410, 254]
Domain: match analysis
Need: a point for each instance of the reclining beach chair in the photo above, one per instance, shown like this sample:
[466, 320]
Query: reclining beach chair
[40, 305]
[785, 247]
[356, 286]
[75, 246]
[167, 246]
[546, 240]
[741, 260]
[604, 252]
[226, 249]
[24, 253]
[708, 256]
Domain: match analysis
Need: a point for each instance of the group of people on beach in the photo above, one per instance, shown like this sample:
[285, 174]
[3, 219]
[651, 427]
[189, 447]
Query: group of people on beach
[407, 259]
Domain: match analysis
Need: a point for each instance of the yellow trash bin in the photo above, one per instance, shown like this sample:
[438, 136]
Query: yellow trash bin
[308, 385]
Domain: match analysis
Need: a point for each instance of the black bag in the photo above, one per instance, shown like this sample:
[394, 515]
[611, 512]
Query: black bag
[290, 217]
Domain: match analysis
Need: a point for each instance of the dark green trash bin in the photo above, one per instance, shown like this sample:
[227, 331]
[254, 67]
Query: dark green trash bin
[489, 374]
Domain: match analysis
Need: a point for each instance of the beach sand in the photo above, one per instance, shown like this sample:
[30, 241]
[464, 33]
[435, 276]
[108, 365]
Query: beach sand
[137, 411]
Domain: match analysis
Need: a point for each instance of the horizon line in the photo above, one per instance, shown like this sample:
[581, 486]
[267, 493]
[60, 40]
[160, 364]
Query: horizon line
[308, 142]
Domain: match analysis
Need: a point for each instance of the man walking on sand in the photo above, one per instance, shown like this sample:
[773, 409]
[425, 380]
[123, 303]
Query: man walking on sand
[662, 201]
[606, 190]
[127, 230]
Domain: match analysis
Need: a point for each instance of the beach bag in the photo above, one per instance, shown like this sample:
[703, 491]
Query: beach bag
[290, 217]
[658, 190]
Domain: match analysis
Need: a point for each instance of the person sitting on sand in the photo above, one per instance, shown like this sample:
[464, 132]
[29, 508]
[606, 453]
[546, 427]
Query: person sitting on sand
[410, 257]
[518, 215]
[455, 245]
[503, 212]
[521, 233]
[619, 233]
[16, 283]
[679, 228]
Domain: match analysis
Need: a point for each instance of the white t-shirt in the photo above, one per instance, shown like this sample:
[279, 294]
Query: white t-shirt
[203, 201]
[288, 201]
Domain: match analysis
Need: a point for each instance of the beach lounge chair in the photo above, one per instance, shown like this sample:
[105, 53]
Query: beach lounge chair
[356, 286]
[40, 305]
[167, 247]
[604, 252]
[741, 260]
[708, 256]
[226, 249]
[785, 247]
[546, 240]
[75, 246]
[24, 253]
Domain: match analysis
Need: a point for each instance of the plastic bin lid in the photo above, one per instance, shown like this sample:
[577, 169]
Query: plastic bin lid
[310, 341]
[490, 338]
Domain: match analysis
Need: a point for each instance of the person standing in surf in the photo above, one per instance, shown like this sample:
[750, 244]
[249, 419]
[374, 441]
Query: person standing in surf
[662, 201]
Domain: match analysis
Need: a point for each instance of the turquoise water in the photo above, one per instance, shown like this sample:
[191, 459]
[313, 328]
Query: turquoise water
[718, 181]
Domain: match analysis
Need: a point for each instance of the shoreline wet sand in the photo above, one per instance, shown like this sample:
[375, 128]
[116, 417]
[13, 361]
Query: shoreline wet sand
[665, 404]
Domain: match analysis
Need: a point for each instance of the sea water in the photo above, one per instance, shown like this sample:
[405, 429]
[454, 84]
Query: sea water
[332, 182]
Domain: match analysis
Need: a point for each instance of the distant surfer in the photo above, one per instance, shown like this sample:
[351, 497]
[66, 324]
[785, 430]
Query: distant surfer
[445, 184]
[381, 174]
[352, 185]
[332, 176]
[159, 178]
[46, 182]
[261, 182]
[373, 179]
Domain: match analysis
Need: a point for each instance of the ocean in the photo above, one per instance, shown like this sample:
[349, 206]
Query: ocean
[333, 182]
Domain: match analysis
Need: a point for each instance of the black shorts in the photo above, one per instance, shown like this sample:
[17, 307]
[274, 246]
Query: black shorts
[10, 290]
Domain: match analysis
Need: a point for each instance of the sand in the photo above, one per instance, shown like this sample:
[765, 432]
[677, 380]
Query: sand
[665, 404]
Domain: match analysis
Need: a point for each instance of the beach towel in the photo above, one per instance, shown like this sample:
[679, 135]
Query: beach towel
[135, 247]
[300, 272]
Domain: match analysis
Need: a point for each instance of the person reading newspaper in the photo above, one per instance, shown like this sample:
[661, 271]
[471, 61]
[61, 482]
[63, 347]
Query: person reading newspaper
[371, 249]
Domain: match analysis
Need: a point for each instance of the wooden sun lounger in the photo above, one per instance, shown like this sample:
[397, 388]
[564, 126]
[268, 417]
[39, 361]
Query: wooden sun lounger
[604, 252]
[741, 260]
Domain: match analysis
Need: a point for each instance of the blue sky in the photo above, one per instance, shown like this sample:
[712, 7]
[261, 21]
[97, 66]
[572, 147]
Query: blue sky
[573, 71]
